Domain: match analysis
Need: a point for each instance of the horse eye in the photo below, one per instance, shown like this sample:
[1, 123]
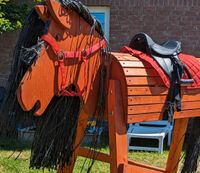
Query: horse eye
[57, 37]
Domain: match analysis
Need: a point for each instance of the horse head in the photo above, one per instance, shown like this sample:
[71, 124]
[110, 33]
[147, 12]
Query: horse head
[69, 60]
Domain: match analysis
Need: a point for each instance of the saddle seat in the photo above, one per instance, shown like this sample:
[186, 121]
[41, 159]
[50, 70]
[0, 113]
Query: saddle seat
[168, 48]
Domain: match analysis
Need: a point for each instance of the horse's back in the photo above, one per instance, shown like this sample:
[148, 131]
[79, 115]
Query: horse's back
[144, 93]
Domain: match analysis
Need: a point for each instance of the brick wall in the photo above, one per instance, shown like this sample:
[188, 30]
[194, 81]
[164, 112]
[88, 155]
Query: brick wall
[162, 19]
[7, 45]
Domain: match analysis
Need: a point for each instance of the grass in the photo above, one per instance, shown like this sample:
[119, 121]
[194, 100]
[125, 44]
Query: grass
[14, 161]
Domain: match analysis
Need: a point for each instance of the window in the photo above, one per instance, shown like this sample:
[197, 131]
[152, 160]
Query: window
[102, 14]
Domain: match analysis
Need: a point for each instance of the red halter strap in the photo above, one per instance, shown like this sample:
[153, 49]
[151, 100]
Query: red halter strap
[71, 54]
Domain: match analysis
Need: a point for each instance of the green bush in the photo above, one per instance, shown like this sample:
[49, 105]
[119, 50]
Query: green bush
[12, 14]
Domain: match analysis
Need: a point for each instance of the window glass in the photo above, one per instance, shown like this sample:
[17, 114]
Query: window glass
[101, 18]
[102, 14]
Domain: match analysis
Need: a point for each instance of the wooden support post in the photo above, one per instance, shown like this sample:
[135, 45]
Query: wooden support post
[117, 128]
[103, 157]
[82, 124]
[135, 167]
[176, 145]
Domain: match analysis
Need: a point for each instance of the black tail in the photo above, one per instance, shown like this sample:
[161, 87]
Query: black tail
[193, 148]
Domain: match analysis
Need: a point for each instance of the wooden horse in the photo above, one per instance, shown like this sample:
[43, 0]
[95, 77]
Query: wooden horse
[69, 64]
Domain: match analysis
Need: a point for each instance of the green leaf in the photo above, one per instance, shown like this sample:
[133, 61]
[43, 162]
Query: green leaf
[12, 15]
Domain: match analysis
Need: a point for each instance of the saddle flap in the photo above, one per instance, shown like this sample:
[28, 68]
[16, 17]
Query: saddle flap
[165, 64]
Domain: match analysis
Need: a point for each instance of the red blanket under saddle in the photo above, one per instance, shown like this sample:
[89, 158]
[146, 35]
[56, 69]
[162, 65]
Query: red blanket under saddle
[190, 61]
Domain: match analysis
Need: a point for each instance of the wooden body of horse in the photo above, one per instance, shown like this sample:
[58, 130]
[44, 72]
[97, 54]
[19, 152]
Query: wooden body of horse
[135, 92]
[143, 95]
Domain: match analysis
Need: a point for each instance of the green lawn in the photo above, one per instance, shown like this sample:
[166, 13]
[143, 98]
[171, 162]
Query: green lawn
[12, 162]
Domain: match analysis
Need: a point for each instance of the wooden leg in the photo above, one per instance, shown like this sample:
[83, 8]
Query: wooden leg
[176, 145]
[82, 124]
[117, 129]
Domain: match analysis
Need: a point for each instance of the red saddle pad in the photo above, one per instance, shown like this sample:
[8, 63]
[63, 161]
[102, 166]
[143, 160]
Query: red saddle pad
[191, 62]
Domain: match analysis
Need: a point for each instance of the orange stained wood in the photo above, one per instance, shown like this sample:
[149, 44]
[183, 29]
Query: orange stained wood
[136, 92]
[140, 72]
[59, 14]
[103, 157]
[157, 90]
[43, 12]
[143, 99]
[178, 137]
[43, 79]
[158, 116]
[117, 128]
[133, 64]
[145, 93]
[146, 90]
[136, 167]
[156, 108]
[144, 81]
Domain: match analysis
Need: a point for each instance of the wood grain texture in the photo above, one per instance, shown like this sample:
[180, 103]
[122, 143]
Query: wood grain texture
[43, 79]
[178, 137]
[146, 93]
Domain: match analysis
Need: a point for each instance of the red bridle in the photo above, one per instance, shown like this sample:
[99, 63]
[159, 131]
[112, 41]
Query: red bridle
[62, 55]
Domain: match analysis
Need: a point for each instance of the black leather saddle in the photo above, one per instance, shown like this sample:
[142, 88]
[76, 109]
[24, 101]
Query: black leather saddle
[167, 48]
[166, 55]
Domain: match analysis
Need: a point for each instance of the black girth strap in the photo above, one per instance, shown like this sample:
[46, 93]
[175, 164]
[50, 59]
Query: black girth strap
[166, 55]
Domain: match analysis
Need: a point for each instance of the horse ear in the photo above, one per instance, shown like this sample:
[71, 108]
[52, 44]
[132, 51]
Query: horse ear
[59, 13]
[43, 12]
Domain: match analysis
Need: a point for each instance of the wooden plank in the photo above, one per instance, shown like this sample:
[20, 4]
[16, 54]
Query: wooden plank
[141, 109]
[144, 81]
[135, 167]
[135, 100]
[141, 90]
[140, 72]
[178, 137]
[84, 152]
[134, 64]
[124, 57]
[158, 116]
[156, 108]
[117, 128]
[148, 90]
[144, 117]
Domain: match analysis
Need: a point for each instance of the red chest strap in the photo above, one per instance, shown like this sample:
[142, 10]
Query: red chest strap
[71, 54]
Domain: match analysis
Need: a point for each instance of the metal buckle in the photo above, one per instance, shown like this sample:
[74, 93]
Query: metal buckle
[60, 55]
[83, 53]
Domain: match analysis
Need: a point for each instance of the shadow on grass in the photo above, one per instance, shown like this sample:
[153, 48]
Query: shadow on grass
[14, 144]
[95, 141]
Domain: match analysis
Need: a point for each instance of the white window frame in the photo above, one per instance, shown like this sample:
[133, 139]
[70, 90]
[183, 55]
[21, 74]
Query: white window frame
[106, 10]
